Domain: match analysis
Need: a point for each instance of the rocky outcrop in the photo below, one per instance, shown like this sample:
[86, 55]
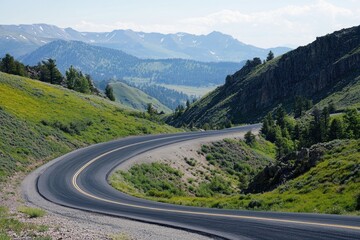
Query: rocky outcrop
[289, 168]
[313, 71]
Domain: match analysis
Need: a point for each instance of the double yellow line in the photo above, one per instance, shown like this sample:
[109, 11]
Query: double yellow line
[76, 186]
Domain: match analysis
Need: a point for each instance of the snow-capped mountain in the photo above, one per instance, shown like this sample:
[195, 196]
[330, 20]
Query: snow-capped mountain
[19, 40]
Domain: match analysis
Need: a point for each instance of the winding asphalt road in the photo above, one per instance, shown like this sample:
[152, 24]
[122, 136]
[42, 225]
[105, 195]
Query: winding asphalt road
[79, 181]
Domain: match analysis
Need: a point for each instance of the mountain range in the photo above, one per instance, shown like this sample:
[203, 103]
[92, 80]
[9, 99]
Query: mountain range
[19, 40]
[105, 63]
[326, 70]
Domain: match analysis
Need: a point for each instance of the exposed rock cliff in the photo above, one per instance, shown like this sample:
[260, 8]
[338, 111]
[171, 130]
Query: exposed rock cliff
[314, 71]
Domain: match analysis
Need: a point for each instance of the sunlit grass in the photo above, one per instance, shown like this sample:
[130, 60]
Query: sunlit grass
[39, 121]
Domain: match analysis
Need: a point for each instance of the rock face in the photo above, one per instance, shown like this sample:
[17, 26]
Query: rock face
[288, 168]
[314, 71]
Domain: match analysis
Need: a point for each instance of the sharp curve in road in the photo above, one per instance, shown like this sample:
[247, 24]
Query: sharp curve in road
[79, 180]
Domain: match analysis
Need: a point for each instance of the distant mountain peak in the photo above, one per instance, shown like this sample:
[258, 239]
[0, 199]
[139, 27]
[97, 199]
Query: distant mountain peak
[23, 39]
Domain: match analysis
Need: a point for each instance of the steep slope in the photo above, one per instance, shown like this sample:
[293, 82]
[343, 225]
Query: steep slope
[23, 39]
[39, 121]
[328, 65]
[135, 98]
[105, 63]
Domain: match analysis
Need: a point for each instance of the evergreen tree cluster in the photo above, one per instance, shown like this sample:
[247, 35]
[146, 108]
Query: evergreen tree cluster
[9, 65]
[179, 110]
[301, 105]
[270, 56]
[79, 82]
[252, 63]
[290, 135]
[109, 92]
[47, 71]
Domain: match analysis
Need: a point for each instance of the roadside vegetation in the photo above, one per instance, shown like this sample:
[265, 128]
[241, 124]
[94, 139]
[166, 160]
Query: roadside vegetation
[230, 165]
[308, 164]
[32, 212]
[10, 227]
[40, 121]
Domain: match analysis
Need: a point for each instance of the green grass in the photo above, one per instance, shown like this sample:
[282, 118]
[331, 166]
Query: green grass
[32, 212]
[40, 121]
[135, 98]
[238, 160]
[349, 96]
[9, 223]
[120, 236]
[332, 186]
[153, 180]
[234, 163]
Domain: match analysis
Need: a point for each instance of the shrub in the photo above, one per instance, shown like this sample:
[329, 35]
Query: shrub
[357, 207]
[249, 138]
[255, 203]
[220, 185]
[191, 161]
[32, 212]
[203, 190]
[209, 157]
[4, 236]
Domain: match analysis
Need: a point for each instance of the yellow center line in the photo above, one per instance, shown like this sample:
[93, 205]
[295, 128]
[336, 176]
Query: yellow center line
[76, 175]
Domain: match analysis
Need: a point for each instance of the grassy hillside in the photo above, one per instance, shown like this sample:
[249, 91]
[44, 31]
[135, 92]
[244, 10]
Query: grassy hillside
[348, 96]
[39, 121]
[135, 98]
[331, 186]
[229, 165]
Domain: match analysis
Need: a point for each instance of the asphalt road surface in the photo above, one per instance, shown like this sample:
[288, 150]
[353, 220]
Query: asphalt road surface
[79, 181]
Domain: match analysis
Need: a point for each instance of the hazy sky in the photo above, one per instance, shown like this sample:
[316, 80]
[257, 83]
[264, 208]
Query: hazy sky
[264, 23]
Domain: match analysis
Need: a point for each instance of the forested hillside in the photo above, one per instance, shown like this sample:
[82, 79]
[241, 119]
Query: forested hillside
[327, 69]
[105, 64]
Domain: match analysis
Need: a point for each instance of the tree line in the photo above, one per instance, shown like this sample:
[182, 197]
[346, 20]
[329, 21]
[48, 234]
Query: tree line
[47, 71]
[291, 134]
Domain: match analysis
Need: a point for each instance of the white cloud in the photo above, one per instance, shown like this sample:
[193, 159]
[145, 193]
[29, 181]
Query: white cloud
[95, 27]
[292, 24]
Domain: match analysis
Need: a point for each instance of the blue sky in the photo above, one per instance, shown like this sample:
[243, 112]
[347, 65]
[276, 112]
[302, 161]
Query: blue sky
[262, 23]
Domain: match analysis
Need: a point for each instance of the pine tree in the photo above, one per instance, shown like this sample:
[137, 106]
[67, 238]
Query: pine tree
[325, 124]
[336, 129]
[270, 56]
[81, 84]
[280, 116]
[8, 65]
[249, 138]
[71, 77]
[187, 104]
[109, 92]
[352, 122]
[50, 73]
